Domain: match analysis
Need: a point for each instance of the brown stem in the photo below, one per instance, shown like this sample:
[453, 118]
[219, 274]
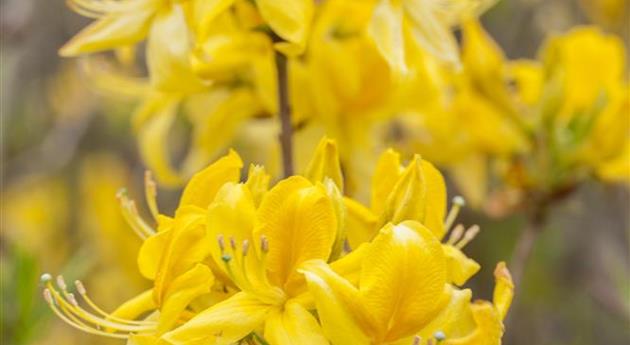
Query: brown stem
[284, 109]
[524, 248]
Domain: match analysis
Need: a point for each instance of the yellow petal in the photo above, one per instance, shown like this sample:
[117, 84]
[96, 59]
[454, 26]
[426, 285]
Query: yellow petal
[386, 29]
[361, 223]
[455, 320]
[325, 164]
[231, 215]
[489, 328]
[136, 307]
[112, 31]
[403, 279]
[153, 137]
[503, 289]
[344, 319]
[386, 174]
[186, 246]
[151, 252]
[299, 221]
[460, 267]
[204, 185]
[435, 199]
[222, 324]
[183, 290]
[168, 59]
[293, 326]
[431, 31]
[291, 19]
[257, 182]
[408, 199]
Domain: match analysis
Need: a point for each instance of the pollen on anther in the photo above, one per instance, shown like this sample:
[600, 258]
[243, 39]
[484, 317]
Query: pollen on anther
[459, 201]
[45, 278]
[61, 283]
[232, 243]
[245, 247]
[80, 288]
[48, 296]
[221, 243]
[264, 244]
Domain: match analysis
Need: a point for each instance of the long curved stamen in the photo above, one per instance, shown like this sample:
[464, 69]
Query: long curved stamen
[458, 203]
[65, 305]
[83, 293]
[130, 213]
[53, 306]
[150, 193]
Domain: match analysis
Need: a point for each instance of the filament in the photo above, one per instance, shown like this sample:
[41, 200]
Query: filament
[458, 203]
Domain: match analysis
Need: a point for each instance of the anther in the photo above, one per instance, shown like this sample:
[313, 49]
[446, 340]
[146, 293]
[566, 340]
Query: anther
[264, 244]
[45, 278]
[232, 243]
[80, 288]
[459, 200]
[245, 247]
[468, 236]
[416, 340]
[72, 299]
[221, 243]
[61, 283]
[122, 193]
[439, 336]
[456, 234]
[48, 296]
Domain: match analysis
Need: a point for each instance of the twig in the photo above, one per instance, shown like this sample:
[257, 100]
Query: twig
[284, 109]
[524, 248]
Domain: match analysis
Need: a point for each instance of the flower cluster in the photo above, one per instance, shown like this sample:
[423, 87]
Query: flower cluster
[212, 63]
[243, 262]
[516, 129]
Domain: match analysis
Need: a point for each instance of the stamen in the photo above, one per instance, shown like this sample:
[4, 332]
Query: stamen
[416, 340]
[83, 292]
[45, 278]
[150, 193]
[245, 247]
[456, 234]
[221, 243]
[439, 336]
[233, 243]
[458, 203]
[264, 244]
[468, 236]
[131, 215]
[67, 308]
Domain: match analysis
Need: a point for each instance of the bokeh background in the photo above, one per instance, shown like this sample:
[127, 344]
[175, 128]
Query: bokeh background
[66, 151]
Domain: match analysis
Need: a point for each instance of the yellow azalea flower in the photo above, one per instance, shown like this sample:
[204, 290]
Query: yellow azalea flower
[428, 22]
[402, 295]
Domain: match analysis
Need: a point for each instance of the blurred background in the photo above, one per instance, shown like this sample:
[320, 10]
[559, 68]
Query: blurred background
[66, 151]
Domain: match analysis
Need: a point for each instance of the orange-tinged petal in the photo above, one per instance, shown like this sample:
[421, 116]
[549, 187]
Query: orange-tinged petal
[204, 185]
[299, 221]
[403, 279]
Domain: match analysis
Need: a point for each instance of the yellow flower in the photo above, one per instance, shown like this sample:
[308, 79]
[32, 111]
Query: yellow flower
[428, 23]
[402, 295]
